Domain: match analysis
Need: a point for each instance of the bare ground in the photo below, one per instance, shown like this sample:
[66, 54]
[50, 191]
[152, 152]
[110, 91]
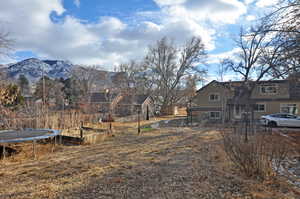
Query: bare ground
[166, 163]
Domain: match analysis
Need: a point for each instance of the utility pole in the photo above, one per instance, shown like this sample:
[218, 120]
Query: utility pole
[44, 87]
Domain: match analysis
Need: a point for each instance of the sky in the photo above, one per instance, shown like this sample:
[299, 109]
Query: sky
[110, 32]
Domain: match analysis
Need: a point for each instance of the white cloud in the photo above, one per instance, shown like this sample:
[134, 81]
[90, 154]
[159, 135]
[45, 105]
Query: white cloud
[110, 41]
[247, 2]
[250, 17]
[6, 60]
[226, 77]
[225, 11]
[266, 3]
[169, 2]
[77, 3]
[216, 58]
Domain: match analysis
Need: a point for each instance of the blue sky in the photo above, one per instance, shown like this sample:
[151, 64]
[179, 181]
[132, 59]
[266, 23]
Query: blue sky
[110, 32]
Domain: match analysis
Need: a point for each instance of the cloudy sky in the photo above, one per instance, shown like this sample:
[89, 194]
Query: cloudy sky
[109, 32]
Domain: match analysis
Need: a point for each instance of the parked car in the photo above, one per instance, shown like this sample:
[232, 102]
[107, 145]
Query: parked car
[281, 119]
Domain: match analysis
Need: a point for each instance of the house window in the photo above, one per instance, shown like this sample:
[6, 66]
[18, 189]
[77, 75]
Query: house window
[289, 108]
[214, 97]
[260, 108]
[215, 115]
[268, 89]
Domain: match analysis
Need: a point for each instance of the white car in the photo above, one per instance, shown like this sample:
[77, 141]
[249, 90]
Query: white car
[281, 119]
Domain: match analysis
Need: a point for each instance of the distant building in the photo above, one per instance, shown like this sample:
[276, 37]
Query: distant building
[104, 102]
[132, 104]
[227, 100]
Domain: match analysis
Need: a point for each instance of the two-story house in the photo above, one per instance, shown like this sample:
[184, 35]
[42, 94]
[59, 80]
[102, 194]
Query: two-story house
[225, 100]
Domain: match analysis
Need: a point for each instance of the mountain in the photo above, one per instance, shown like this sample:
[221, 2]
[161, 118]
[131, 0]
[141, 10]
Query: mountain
[34, 68]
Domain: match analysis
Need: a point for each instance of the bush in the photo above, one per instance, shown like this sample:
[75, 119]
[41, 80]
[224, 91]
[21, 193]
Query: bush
[261, 156]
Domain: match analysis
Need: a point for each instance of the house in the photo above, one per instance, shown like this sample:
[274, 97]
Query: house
[39, 102]
[131, 104]
[104, 102]
[227, 101]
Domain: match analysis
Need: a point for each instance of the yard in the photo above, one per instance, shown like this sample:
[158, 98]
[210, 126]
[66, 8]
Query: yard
[169, 162]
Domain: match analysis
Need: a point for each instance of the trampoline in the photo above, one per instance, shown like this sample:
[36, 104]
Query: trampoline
[15, 136]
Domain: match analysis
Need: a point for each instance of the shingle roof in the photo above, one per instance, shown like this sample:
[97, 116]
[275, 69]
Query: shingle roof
[241, 94]
[102, 97]
[236, 84]
[133, 99]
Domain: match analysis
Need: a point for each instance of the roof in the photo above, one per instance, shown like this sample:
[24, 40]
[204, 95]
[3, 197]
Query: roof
[102, 97]
[241, 94]
[134, 99]
[214, 81]
[239, 83]
[226, 84]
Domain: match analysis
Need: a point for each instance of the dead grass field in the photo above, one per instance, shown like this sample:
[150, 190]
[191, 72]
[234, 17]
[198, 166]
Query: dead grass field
[166, 163]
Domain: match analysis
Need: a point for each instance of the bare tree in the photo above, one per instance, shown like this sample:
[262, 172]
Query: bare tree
[261, 56]
[134, 77]
[284, 17]
[271, 48]
[284, 20]
[6, 94]
[5, 46]
[5, 43]
[221, 70]
[86, 77]
[168, 65]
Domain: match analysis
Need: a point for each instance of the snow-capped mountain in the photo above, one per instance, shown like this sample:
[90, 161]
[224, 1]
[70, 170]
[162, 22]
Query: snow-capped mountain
[34, 68]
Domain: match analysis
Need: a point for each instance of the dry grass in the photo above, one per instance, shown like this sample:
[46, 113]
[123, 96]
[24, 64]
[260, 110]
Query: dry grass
[164, 163]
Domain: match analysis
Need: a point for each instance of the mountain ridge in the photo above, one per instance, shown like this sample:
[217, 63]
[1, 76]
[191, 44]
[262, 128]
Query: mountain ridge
[33, 69]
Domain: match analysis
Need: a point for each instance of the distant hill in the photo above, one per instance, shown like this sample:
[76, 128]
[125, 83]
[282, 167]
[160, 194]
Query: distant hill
[34, 68]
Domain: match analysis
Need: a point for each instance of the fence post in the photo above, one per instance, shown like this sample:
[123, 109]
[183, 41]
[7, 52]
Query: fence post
[191, 118]
[81, 129]
[110, 128]
[147, 116]
[4, 151]
[139, 125]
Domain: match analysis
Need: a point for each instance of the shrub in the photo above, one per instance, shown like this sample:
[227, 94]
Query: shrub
[261, 156]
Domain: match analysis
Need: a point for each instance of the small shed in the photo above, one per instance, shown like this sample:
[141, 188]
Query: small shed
[104, 102]
[132, 104]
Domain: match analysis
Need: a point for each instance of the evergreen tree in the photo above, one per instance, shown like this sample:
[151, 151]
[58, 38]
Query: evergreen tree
[51, 90]
[23, 84]
[72, 90]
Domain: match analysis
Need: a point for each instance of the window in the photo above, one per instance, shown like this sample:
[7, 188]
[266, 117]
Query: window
[215, 115]
[277, 115]
[268, 89]
[260, 108]
[290, 116]
[289, 108]
[214, 97]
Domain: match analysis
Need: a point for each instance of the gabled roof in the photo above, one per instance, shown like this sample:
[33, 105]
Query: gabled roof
[134, 99]
[102, 97]
[214, 81]
[236, 84]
